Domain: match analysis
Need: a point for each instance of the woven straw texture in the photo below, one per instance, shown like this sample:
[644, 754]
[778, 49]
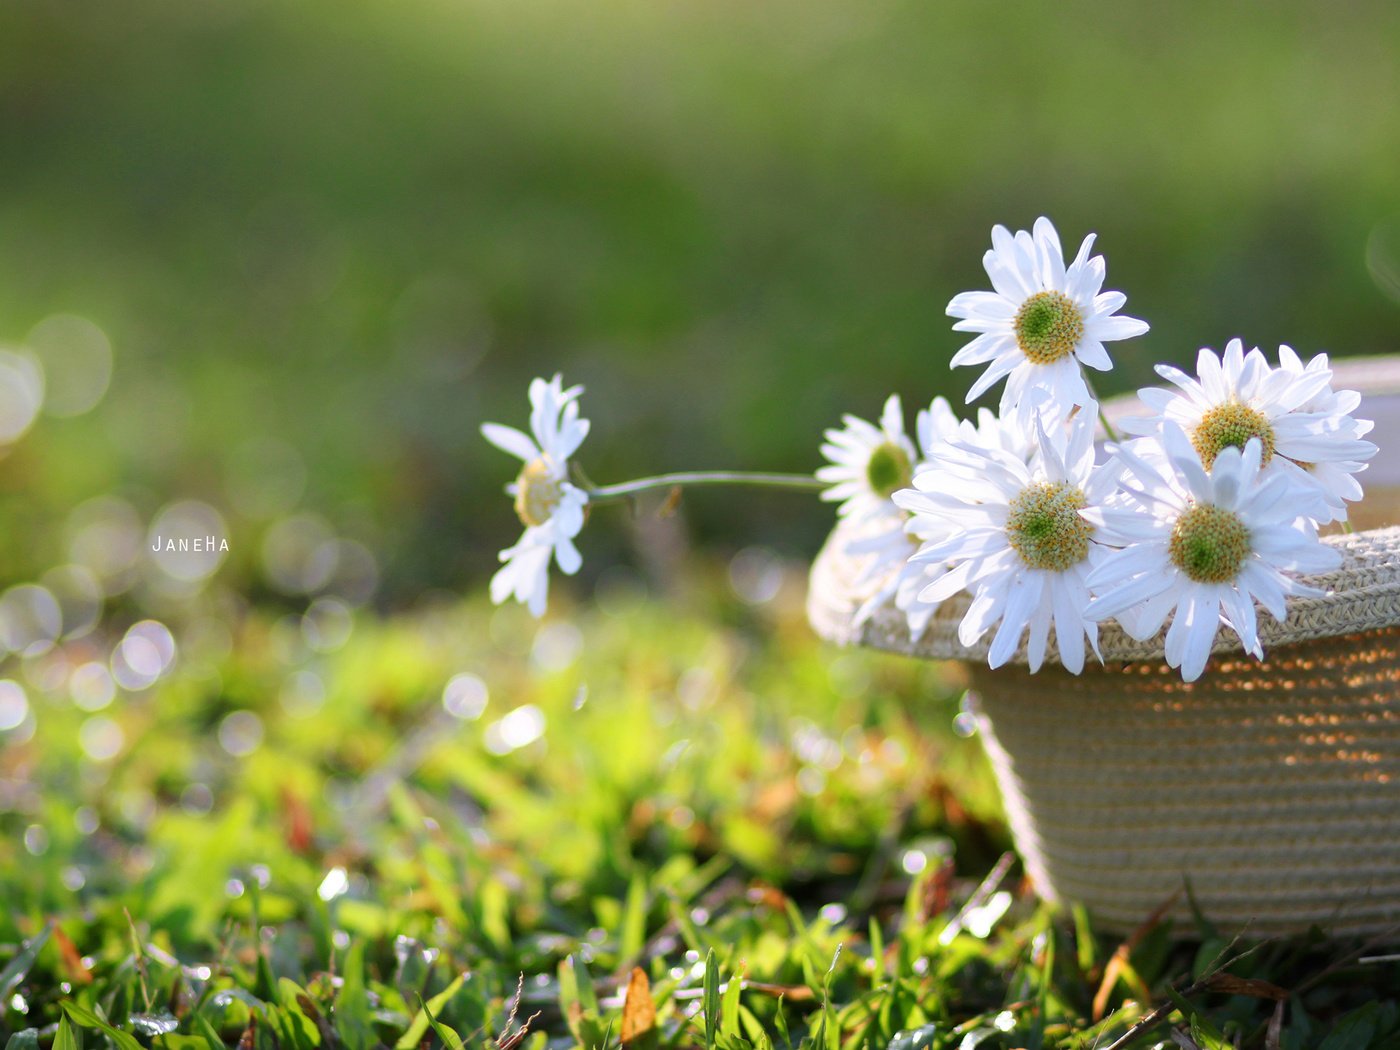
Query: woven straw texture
[1274, 787]
[1271, 788]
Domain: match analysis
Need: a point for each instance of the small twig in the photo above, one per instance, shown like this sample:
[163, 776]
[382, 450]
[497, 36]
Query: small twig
[509, 1040]
[1162, 1012]
[979, 897]
[1386, 936]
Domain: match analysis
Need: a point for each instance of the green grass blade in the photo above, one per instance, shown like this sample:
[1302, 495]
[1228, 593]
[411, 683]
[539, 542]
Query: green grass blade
[67, 1037]
[711, 1000]
[353, 1022]
[413, 1035]
[18, 967]
[85, 1018]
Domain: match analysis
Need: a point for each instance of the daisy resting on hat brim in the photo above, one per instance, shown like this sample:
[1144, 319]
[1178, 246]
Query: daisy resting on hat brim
[889, 569]
[1304, 427]
[1203, 548]
[938, 429]
[549, 506]
[1043, 320]
[1018, 539]
[868, 464]
[1333, 476]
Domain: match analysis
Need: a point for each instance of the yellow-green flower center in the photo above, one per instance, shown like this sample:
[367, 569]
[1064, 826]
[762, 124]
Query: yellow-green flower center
[1209, 544]
[537, 493]
[1048, 327]
[1231, 425]
[888, 470]
[1044, 526]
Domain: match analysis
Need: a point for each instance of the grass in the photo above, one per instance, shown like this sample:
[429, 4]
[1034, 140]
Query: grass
[646, 825]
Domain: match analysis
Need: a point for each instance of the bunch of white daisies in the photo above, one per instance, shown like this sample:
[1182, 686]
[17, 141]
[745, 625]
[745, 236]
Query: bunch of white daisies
[1210, 507]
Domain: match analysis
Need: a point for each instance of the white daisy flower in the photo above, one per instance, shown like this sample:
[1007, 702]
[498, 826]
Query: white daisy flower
[1043, 321]
[868, 464]
[935, 425]
[549, 506]
[1304, 427]
[1016, 538]
[1202, 545]
[1333, 477]
[890, 549]
[939, 428]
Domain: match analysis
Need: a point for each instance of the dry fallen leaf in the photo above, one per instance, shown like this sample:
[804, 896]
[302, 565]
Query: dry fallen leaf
[638, 1013]
[1118, 965]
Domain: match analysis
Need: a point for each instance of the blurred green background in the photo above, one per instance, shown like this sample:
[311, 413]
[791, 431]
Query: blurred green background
[279, 261]
[326, 241]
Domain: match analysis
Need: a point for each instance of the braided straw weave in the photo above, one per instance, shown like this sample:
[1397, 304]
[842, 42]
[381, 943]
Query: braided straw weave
[1271, 789]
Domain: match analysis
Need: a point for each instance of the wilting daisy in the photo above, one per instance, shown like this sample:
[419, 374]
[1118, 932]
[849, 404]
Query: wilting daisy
[1043, 321]
[549, 506]
[1304, 427]
[1016, 538]
[1205, 546]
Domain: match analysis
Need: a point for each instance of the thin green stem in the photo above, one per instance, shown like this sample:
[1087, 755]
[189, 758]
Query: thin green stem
[687, 479]
[1108, 427]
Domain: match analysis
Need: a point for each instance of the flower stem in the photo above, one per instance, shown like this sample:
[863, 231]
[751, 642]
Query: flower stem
[1108, 427]
[685, 479]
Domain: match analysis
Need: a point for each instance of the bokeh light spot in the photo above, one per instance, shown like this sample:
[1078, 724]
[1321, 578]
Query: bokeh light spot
[755, 574]
[91, 686]
[30, 620]
[465, 696]
[21, 393]
[145, 653]
[187, 540]
[517, 729]
[326, 625]
[79, 595]
[77, 359]
[241, 733]
[303, 694]
[557, 645]
[101, 738]
[14, 705]
[299, 554]
[104, 535]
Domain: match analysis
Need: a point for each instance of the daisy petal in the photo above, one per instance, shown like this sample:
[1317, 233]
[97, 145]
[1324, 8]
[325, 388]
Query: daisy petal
[508, 439]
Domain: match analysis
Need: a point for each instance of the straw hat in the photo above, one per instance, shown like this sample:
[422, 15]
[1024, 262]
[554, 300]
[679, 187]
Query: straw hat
[1271, 789]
